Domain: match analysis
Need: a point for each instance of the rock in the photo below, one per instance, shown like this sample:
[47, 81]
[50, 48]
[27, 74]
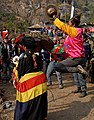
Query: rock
[1, 100]
[1, 108]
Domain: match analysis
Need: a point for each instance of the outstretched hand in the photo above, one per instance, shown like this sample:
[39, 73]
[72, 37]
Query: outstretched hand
[51, 12]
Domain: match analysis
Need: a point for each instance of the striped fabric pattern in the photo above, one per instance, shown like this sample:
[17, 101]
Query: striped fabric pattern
[30, 86]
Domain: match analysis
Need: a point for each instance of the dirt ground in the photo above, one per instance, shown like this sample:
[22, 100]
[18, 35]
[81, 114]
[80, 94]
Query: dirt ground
[62, 103]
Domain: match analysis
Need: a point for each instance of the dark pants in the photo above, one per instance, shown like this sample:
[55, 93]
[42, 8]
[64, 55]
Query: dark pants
[70, 65]
[7, 68]
[92, 73]
[45, 65]
[35, 109]
[80, 81]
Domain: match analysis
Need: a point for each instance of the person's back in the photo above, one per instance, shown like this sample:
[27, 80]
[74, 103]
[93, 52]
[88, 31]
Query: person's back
[74, 46]
[31, 85]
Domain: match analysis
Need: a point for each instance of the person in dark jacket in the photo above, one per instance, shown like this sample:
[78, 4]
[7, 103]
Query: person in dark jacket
[30, 83]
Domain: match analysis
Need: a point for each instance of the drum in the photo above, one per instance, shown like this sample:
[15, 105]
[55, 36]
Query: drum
[43, 43]
[51, 10]
[36, 44]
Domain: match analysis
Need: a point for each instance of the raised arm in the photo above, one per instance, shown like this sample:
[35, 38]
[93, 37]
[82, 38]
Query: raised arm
[72, 31]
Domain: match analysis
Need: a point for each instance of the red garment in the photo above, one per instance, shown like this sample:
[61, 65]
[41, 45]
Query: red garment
[19, 37]
[5, 34]
[57, 53]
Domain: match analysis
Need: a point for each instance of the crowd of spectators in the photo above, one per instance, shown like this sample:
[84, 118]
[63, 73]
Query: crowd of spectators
[9, 49]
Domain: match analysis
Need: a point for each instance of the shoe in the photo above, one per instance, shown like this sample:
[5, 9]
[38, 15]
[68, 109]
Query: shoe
[77, 91]
[60, 86]
[49, 84]
[83, 94]
[82, 70]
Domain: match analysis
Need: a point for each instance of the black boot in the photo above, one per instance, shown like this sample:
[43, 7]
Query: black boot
[78, 90]
[83, 94]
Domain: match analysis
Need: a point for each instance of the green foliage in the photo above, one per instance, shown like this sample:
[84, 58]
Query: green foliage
[2, 14]
[12, 23]
[91, 16]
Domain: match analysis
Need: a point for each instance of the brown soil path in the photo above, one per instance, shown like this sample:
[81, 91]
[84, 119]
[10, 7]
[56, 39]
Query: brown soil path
[62, 103]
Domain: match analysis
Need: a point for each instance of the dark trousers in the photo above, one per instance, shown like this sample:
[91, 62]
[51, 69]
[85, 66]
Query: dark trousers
[80, 81]
[69, 65]
[92, 73]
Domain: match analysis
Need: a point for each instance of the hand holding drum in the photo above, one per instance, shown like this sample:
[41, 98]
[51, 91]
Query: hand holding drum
[51, 12]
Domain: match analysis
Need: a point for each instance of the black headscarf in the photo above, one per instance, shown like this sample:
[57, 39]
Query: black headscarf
[28, 42]
[26, 63]
[76, 20]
